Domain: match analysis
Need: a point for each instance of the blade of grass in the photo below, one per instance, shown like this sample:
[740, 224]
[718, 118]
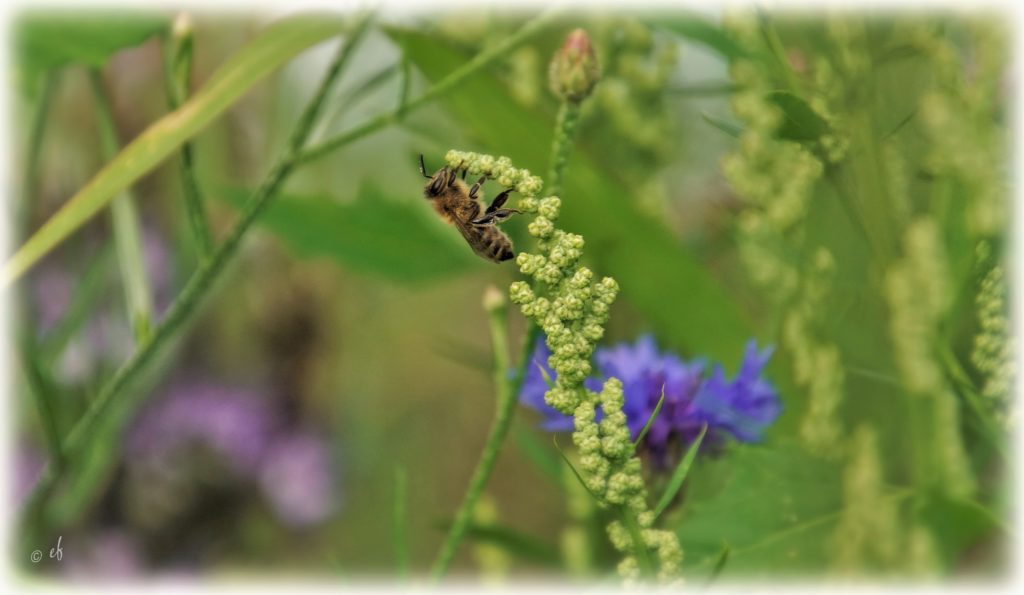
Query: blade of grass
[177, 75]
[348, 100]
[279, 43]
[125, 219]
[403, 85]
[30, 185]
[42, 389]
[650, 420]
[719, 565]
[554, 440]
[88, 290]
[679, 475]
[186, 303]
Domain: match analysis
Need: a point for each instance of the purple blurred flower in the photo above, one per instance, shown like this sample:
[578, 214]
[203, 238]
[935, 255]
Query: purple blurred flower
[297, 478]
[745, 406]
[236, 424]
[28, 467]
[52, 288]
[292, 465]
[109, 555]
[741, 408]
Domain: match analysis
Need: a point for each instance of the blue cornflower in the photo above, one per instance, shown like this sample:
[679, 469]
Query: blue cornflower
[741, 408]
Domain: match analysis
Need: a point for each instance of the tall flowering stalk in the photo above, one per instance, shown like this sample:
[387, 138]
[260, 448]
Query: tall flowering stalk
[571, 307]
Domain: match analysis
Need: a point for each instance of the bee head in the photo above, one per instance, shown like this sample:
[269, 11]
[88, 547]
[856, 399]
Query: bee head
[439, 182]
[444, 178]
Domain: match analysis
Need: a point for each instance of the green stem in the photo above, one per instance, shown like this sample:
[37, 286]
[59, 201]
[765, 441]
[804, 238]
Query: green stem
[88, 290]
[643, 556]
[483, 59]
[35, 144]
[956, 373]
[198, 285]
[43, 389]
[778, 52]
[125, 218]
[506, 404]
[561, 145]
[177, 73]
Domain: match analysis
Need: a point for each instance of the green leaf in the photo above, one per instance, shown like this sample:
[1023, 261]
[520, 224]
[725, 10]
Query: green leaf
[776, 509]
[537, 453]
[699, 30]
[680, 473]
[801, 122]
[276, 45]
[375, 234]
[579, 478]
[48, 40]
[731, 128]
[658, 275]
[957, 524]
[650, 420]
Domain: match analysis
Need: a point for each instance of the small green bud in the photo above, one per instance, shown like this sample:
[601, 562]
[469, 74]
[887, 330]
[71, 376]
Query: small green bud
[574, 69]
[550, 207]
[180, 58]
[541, 227]
[493, 299]
[520, 293]
[528, 205]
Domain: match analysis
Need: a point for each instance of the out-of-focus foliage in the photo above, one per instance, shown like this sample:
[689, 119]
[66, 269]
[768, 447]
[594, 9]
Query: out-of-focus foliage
[376, 234]
[857, 222]
[46, 41]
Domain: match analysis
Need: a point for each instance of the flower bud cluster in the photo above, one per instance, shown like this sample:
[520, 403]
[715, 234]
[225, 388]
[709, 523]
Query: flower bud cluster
[571, 306]
[498, 169]
[993, 353]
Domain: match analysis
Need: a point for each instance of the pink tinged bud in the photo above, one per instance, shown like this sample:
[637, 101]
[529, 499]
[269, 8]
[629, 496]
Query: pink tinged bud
[574, 69]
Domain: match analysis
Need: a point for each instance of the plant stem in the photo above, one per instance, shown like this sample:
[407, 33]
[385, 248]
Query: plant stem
[506, 404]
[177, 73]
[125, 219]
[186, 303]
[35, 143]
[43, 389]
[643, 556]
[88, 290]
[970, 395]
[561, 145]
[478, 62]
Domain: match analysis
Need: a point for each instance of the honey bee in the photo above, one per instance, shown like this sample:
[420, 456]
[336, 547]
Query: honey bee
[460, 205]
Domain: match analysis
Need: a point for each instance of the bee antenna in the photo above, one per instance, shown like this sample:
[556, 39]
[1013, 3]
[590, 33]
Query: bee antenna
[423, 167]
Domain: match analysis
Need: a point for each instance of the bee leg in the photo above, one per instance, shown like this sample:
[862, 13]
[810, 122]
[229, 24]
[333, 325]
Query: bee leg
[453, 174]
[476, 187]
[498, 201]
[423, 167]
[493, 217]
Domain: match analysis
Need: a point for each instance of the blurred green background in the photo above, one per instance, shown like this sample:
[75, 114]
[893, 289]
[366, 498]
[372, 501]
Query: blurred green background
[353, 315]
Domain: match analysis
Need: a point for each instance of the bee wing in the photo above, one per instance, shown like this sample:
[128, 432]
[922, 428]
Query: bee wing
[469, 233]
